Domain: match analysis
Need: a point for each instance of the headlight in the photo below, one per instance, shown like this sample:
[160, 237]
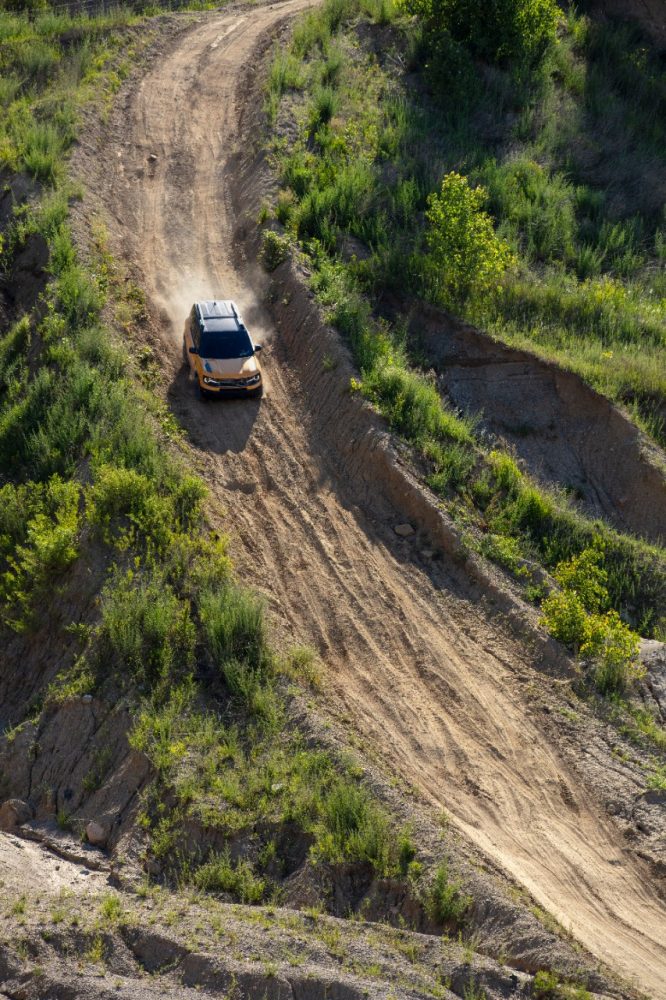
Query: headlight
[209, 381]
[255, 378]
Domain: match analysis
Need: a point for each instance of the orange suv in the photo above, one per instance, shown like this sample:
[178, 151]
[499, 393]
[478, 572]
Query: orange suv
[218, 348]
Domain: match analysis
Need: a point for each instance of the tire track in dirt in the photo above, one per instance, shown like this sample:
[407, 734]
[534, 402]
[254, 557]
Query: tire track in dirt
[427, 678]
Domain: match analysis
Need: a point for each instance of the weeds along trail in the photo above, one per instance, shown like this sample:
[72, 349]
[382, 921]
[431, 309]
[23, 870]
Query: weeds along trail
[431, 684]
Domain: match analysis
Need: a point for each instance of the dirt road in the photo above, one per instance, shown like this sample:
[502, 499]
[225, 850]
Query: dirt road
[436, 688]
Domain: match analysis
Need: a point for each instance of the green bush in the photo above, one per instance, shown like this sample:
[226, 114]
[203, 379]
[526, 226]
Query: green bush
[274, 249]
[413, 406]
[465, 257]
[613, 648]
[145, 629]
[220, 874]
[585, 575]
[537, 207]
[43, 153]
[234, 625]
[444, 902]
[79, 295]
[324, 106]
[354, 828]
[566, 619]
[574, 615]
[452, 465]
[252, 688]
[381, 11]
[286, 73]
[39, 529]
[546, 985]
[504, 31]
[128, 501]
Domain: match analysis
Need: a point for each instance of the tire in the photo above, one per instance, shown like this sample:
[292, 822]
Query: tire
[257, 393]
[203, 395]
[186, 360]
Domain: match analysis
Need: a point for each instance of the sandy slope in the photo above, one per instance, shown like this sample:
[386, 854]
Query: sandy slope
[26, 865]
[437, 689]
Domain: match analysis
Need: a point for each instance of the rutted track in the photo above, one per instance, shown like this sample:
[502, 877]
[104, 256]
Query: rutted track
[439, 690]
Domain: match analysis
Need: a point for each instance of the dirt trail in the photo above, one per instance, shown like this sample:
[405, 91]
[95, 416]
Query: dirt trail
[442, 694]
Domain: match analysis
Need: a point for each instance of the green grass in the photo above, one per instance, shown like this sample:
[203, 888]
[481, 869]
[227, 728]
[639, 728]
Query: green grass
[445, 903]
[90, 485]
[88, 476]
[220, 874]
[585, 289]
[589, 287]
[249, 780]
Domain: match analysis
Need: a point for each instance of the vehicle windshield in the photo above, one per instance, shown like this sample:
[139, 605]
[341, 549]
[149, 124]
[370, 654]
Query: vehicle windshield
[223, 344]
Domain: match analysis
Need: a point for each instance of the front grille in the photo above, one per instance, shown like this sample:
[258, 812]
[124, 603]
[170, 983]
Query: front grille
[233, 383]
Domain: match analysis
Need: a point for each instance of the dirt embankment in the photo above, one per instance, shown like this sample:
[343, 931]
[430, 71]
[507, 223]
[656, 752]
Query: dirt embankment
[67, 933]
[567, 434]
[419, 660]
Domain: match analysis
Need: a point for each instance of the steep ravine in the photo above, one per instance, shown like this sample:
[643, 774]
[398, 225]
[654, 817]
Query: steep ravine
[417, 658]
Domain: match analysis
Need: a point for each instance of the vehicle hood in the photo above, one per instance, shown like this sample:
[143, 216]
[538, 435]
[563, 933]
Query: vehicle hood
[228, 367]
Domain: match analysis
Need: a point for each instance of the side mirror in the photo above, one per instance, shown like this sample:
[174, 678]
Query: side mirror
[257, 347]
[193, 350]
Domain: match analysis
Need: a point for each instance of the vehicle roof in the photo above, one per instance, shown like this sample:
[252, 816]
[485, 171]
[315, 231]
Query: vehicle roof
[217, 309]
[222, 325]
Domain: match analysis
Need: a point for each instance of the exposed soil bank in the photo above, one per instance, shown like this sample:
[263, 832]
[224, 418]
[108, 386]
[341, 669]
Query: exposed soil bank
[419, 661]
[566, 433]
[62, 940]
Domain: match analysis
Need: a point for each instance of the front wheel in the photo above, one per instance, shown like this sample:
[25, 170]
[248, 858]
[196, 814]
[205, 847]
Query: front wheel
[257, 393]
[186, 360]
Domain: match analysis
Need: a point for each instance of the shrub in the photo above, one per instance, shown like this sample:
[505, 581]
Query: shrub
[452, 464]
[546, 985]
[584, 575]
[274, 249]
[43, 153]
[48, 532]
[324, 105]
[78, 295]
[354, 828]
[506, 473]
[413, 406]
[465, 255]
[381, 11]
[314, 30]
[565, 618]
[572, 615]
[332, 68]
[251, 687]
[505, 550]
[286, 73]
[444, 902]
[111, 909]
[220, 874]
[233, 622]
[504, 31]
[613, 647]
[160, 726]
[123, 495]
[406, 853]
[302, 663]
[146, 629]
[540, 209]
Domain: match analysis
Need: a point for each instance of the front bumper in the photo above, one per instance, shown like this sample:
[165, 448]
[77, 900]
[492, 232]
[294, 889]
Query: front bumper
[231, 387]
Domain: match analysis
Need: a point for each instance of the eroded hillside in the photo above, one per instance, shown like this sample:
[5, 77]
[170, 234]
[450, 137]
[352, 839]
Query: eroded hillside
[395, 738]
